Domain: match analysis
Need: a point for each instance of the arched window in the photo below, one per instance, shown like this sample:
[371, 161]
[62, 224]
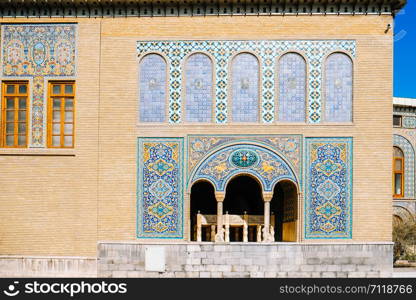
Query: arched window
[338, 88]
[245, 88]
[398, 172]
[152, 88]
[198, 93]
[292, 88]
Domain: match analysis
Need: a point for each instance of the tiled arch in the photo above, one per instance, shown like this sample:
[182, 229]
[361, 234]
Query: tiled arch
[409, 164]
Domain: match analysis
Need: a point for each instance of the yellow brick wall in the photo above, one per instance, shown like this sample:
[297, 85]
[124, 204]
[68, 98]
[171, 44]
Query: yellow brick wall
[54, 205]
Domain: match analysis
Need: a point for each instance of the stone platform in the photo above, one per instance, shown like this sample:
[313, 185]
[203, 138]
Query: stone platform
[165, 260]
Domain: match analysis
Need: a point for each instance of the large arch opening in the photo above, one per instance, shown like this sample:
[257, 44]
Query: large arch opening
[203, 202]
[284, 211]
[243, 196]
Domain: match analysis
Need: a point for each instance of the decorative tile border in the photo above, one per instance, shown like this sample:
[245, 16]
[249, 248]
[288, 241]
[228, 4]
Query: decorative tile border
[268, 51]
[160, 188]
[409, 164]
[38, 51]
[328, 195]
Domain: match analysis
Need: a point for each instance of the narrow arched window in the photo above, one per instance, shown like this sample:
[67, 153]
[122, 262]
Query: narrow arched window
[292, 88]
[338, 88]
[152, 88]
[245, 88]
[398, 172]
[198, 93]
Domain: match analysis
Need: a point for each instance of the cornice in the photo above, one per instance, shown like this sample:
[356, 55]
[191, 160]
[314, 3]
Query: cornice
[162, 8]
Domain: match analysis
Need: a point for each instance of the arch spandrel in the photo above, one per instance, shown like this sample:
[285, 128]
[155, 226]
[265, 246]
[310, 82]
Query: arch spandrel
[253, 160]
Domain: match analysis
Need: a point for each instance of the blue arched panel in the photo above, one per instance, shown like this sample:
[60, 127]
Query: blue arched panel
[198, 98]
[245, 88]
[152, 89]
[292, 88]
[338, 88]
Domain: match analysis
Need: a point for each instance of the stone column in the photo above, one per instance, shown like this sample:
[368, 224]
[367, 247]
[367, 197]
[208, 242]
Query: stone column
[219, 237]
[267, 237]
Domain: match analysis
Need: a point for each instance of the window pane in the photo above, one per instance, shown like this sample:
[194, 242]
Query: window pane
[57, 116]
[69, 103]
[68, 141]
[397, 152]
[10, 140]
[56, 103]
[22, 103]
[397, 164]
[10, 103]
[56, 89]
[10, 89]
[22, 115]
[22, 89]
[10, 128]
[397, 184]
[68, 89]
[68, 128]
[69, 116]
[56, 128]
[56, 140]
[22, 128]
[21, 140]
[10, 115]
[397, 121]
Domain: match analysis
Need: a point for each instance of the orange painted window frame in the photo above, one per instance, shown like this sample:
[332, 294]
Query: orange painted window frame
[62, 96]
[401, 172]
[16, 95]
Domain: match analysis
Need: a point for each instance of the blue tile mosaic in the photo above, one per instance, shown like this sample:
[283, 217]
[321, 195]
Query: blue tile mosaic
[268, 50]
[292, 88]
[409, 164]
[328, 190]
[198, 92]
[409, 122]
[160, 188]
[152, 89]
[338, 88]
[245, 88]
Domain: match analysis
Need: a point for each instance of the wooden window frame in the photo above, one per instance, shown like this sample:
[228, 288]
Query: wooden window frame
[401, 172]
[16, 96]
[62, 122]
[401, 121]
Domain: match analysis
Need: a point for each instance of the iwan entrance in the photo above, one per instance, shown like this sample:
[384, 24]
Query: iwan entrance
[244, 213]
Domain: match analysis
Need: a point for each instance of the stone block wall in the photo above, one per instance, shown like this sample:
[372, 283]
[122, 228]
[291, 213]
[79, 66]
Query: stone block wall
[24, 266]
[248, 260]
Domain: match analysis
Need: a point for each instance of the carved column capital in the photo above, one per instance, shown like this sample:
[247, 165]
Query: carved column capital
[267, 196]
[220, 196]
